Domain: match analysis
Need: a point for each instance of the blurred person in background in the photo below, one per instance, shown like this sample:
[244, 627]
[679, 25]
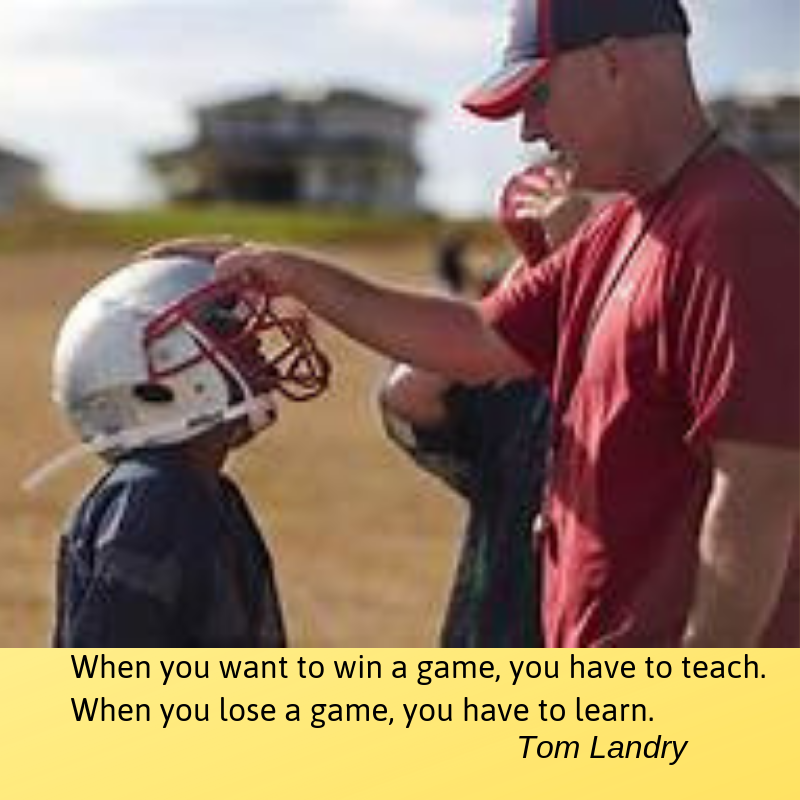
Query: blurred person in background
[666, 330]
[452, 268]
[489, 444]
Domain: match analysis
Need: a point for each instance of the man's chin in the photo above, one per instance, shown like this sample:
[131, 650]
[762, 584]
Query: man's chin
[584, 181]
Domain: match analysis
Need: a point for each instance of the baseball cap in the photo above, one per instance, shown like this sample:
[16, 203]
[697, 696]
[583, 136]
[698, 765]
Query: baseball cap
[541, 29]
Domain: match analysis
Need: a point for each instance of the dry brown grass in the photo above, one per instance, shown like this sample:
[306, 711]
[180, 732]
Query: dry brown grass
[363, 543]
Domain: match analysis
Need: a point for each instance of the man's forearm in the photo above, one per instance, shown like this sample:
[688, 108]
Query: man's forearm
[744, 547]
[439, 334]
[735, 593]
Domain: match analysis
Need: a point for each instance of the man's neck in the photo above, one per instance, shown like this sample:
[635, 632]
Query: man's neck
[672, 155]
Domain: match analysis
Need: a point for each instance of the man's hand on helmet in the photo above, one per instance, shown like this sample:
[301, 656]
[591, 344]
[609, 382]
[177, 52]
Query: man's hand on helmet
[274, 269]
[271, 268]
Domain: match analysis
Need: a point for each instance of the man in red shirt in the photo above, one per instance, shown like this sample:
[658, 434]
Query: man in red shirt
[667, 330]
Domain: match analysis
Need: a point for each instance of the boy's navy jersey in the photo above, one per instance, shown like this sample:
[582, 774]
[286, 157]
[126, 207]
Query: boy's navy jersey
[157, 556]
[492, 450]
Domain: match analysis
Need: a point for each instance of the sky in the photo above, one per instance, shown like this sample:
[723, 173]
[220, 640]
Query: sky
[89, 86]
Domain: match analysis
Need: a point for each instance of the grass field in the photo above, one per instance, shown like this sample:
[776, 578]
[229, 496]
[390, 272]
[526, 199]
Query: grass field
[364, 544]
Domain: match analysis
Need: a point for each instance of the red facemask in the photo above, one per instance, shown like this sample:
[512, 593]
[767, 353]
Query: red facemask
[235, 324]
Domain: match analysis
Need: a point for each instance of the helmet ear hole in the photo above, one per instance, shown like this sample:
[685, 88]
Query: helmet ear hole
[155, 393]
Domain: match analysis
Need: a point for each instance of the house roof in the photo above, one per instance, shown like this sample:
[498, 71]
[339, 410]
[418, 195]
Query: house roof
[15, 158]
[775, 108]
[254, 153]
[310, 98]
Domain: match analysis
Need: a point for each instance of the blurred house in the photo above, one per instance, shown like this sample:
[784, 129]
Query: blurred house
[768, 129]
[341, 148]
[21, 181]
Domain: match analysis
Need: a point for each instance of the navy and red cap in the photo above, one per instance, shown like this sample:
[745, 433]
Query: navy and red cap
[541, 29]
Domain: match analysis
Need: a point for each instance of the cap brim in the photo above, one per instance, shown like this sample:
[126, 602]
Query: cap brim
[502, 94]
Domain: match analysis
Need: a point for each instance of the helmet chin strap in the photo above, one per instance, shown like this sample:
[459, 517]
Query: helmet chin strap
[259, 411]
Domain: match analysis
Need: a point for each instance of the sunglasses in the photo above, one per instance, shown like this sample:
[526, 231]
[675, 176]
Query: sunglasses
[539, 94]
[539, 91]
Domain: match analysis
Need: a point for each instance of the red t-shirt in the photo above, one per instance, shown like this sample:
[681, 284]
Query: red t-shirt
[696, 340]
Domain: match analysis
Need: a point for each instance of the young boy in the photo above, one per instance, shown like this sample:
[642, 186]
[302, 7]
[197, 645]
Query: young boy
[490, 443]
[161, 369]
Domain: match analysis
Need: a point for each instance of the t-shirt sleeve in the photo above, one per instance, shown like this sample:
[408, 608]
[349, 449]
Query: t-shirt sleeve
[524, 311]
[734, 334]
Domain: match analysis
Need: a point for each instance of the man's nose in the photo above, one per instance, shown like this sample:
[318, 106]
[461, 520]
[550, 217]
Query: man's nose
[533, 126]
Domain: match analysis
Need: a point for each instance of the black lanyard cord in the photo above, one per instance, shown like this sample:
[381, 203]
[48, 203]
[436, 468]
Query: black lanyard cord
[667, 193]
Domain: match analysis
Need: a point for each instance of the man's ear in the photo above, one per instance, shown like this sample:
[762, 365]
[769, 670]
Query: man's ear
[616, 57]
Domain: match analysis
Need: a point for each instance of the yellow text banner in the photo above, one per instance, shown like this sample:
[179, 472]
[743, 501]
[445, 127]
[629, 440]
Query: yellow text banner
[395, 723]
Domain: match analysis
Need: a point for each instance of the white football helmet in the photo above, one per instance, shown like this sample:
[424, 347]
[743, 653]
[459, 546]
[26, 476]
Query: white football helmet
[160, 352]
